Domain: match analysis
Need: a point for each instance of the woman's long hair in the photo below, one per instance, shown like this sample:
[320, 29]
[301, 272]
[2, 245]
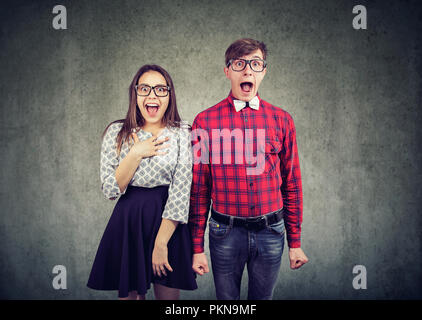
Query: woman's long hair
[134, 118]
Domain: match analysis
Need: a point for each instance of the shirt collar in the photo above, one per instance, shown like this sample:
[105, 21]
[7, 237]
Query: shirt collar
[255, 105]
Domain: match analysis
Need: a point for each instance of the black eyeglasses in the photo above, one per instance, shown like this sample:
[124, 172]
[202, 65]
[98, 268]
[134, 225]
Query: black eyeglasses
[257, 65]
[144, 90]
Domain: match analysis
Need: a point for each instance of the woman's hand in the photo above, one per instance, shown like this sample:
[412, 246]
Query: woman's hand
[159, 260]
[148, 147]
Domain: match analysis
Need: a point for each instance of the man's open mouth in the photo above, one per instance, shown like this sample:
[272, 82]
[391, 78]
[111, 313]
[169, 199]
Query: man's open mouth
[246, 86]
[152, 109]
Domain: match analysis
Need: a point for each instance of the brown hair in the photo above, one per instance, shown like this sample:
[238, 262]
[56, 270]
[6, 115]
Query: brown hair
[244, 47]
[134, 117]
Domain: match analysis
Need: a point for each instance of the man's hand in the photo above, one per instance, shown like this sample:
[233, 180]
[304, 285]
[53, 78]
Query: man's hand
[200, 263]
[297, 258]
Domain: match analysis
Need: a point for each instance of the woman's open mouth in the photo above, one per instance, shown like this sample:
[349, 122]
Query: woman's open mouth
[246, 86]
[152, 109]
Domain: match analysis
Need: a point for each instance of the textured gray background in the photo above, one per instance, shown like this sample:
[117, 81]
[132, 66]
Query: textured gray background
[355, 97]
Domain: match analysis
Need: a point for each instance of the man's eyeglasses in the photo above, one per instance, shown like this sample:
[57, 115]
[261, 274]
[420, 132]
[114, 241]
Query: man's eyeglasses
[257, 65]
[144, 90]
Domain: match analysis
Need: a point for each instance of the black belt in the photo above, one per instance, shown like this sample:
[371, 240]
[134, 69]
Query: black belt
[253, 223]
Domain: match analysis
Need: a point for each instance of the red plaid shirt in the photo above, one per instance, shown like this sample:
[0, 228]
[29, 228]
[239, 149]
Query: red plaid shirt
[232, 191]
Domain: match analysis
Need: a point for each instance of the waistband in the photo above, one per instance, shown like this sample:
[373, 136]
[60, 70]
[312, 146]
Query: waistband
[252, 223]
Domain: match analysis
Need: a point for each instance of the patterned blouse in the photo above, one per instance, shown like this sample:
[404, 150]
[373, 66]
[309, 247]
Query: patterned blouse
[173, 169]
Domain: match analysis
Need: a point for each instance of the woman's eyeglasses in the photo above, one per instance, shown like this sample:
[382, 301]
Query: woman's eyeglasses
[144, 90]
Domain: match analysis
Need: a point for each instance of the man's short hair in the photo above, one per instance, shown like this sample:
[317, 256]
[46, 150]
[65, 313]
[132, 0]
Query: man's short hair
[244, 47]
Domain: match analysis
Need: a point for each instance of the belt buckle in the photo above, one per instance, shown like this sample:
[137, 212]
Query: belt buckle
[247, 225]
[254, 224]
[261, 222]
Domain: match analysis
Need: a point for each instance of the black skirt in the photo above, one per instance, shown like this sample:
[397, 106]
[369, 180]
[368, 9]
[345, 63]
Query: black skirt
[123, 260]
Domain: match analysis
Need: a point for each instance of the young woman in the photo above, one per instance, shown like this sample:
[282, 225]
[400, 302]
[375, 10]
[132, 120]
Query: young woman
[146, 160]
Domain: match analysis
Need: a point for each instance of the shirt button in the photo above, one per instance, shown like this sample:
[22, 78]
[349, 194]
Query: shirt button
[253, 207]
[251, 184]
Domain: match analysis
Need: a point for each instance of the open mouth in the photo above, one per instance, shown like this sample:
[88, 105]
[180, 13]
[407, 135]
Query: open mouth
[246, 86]
[152, 109]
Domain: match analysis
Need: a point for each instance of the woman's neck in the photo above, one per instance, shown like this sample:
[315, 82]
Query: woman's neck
[153, 128]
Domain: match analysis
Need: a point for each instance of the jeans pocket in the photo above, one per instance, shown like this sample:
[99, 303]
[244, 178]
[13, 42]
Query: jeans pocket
[277, 228]
[218, 230]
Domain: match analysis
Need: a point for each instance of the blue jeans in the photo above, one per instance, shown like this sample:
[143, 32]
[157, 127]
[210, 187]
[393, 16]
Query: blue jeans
[232, 248]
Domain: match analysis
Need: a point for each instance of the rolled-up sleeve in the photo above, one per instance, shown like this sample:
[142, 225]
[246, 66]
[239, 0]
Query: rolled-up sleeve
[109, 163]
[177, 205]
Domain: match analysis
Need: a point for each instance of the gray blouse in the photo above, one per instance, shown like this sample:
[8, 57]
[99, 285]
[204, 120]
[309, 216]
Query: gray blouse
[173, 169]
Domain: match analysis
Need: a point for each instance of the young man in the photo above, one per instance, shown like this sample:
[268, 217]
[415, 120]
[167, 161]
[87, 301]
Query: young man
[250, 198]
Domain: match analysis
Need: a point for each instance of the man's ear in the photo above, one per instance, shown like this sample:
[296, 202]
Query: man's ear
[226, 72]
[265, 70]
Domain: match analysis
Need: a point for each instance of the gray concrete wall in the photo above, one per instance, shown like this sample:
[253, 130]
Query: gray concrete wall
[355, 97]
